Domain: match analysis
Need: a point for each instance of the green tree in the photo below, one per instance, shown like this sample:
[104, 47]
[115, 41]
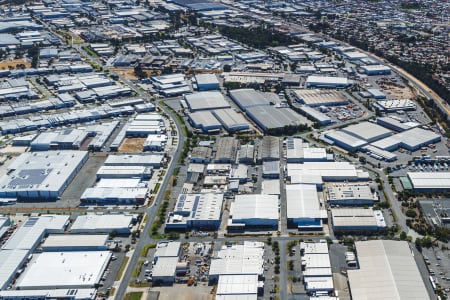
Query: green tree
[403, 236]
[411, 213]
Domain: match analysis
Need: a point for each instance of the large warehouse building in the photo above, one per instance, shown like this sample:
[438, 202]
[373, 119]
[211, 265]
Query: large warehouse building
[376, 70]
[231, 120]
[315, 98]
[304, 210]
[327, 82]
[395, 124]
[196, 211]
[124, 172]
[253, 212]
[344, 140]
[204, 121]
[412, 140]
[206, 82]
[316, 267]
[395, 105]
[64, 270]
[15, 252]
[147, 160]
[367, 131]
[350, 194]
[109, 195]
[316, 115]
[270, 117]
[357, 220]
[430, 181]
[387, 271]
[239, 259]
[328, 171]
[298, 152]
[69, 294]
[205, 101]
[226, 150]
[238, 287]
[41, 175]
[248, 98]
[75, 242]
[92, 223]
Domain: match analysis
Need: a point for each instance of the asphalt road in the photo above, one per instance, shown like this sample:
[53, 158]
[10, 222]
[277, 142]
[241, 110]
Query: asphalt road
[151, 211]
[283, 270]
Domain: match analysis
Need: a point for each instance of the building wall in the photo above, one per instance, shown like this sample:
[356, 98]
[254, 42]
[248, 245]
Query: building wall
[208, 87]
[314, 224]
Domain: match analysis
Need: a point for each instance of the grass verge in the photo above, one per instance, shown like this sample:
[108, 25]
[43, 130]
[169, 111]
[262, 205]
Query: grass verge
[122, 268]
[145, 249]
[133, 296]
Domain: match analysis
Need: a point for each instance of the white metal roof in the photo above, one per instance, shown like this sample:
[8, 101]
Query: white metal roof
[246, 258]
[112, 194]
[294, 148]
[326, 80]
[367, 131]
[119, 182]
[230, 119]
[74, 294]
[237, 285]
[302, 201]
[320, 97]
[206, 79]
[47, 171]
[206, 100]
[92, 222]
[237, 297]
[345, 138]
[33, 229]
[387, 271]
[270, 187]
[314, 247]
[64, 269]
[349, 191]
[430, 180]
[167, 249]
[254, 207]
[10, 261]
[316, 260]
[327, 170]
[165, 267]
[75, 240]
[204, 119]
[137, 159]
[353, 217]
[128, 171]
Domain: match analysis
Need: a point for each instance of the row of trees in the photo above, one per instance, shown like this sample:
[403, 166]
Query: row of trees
[259, 37]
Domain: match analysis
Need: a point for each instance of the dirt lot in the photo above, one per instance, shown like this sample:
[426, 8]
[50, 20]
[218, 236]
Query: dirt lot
[12, 63]
[178, 291]
[131, 145]
[128, 73]
[399, 93]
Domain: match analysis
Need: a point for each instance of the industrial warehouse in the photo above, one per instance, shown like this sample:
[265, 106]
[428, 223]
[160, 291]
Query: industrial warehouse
[40, 258]
[315, 98]
[384, 268]
[253, 212]
[357, 136]
[205, 101]
[196, 211]
[204, 150]
[64, 270]
[304, 210]
[41, 175]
